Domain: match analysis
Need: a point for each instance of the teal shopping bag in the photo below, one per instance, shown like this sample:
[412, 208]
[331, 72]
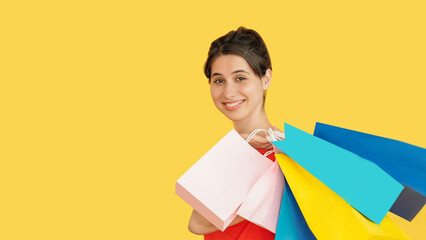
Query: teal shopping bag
[361, 183]
[406, 163]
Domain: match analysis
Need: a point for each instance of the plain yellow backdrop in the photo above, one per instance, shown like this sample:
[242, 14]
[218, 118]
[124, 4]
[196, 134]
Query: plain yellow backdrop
[104, 105]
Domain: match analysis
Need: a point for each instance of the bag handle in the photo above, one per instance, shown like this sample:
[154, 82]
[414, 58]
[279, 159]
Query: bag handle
[271, 135]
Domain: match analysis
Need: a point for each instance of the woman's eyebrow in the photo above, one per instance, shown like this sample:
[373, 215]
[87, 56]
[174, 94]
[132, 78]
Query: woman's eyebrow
[240, 71]
[234, 72]
[215, 74]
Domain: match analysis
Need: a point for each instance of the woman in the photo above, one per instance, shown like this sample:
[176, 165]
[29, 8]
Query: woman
[239, 71]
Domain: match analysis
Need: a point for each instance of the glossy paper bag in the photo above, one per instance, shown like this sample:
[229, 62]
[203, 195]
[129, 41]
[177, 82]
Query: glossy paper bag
[361, 183]
[328, 215]
[291, 223]
[406, 163]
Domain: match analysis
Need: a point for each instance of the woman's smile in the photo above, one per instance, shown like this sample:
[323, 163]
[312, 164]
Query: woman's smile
[233, 105]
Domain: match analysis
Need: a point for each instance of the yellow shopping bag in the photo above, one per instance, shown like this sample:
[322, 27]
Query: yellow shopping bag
[327, 214]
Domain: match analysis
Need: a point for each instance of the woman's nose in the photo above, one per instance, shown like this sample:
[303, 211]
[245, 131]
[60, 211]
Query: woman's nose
[230, 90]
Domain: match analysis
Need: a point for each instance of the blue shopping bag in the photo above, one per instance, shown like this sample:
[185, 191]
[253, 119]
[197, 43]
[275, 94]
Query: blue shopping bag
[291, 223]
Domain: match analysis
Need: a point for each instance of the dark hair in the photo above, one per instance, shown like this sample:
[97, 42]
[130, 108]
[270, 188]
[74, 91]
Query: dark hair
[243, 42]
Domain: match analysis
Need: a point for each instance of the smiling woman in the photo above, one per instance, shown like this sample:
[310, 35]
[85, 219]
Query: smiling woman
[239, 71]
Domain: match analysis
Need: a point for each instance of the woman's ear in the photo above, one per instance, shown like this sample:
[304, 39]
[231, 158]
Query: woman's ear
[267, 79]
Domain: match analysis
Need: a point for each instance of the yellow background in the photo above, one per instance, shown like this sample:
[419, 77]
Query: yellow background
[104, 104]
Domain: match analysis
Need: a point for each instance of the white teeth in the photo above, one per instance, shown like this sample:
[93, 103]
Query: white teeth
[233, 104]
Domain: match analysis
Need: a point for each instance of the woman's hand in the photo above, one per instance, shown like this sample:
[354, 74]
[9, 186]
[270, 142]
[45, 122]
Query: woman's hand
[259, 140]
[201, 226]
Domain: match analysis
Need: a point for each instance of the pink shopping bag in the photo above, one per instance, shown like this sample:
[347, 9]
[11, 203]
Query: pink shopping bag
[232, 179]
[262, 204]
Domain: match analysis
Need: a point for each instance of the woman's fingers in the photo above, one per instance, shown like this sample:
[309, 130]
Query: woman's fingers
[259, 139]
[260, 142]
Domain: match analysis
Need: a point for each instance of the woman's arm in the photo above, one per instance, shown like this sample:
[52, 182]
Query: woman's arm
[201, 226]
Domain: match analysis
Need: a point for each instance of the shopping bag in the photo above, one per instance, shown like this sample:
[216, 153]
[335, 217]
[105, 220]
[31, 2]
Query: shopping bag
[262, 204]
[408, 204]
[232, 179]
[406, 163]
[326, 213]
[358, 181]
[291, 223]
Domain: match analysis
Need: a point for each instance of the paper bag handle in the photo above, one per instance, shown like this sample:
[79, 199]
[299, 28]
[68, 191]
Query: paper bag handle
[271, 135]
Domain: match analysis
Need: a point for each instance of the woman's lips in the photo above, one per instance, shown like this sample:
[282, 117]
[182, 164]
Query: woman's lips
[233, 105]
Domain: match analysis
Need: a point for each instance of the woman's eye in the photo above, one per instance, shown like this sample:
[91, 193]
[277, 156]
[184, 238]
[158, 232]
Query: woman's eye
[218, 81]
[241, 78]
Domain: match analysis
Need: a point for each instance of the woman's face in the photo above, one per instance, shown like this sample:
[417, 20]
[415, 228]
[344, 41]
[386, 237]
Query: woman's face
[235, 88]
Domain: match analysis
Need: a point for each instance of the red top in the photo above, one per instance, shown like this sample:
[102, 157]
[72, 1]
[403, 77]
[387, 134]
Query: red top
[244, 230]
